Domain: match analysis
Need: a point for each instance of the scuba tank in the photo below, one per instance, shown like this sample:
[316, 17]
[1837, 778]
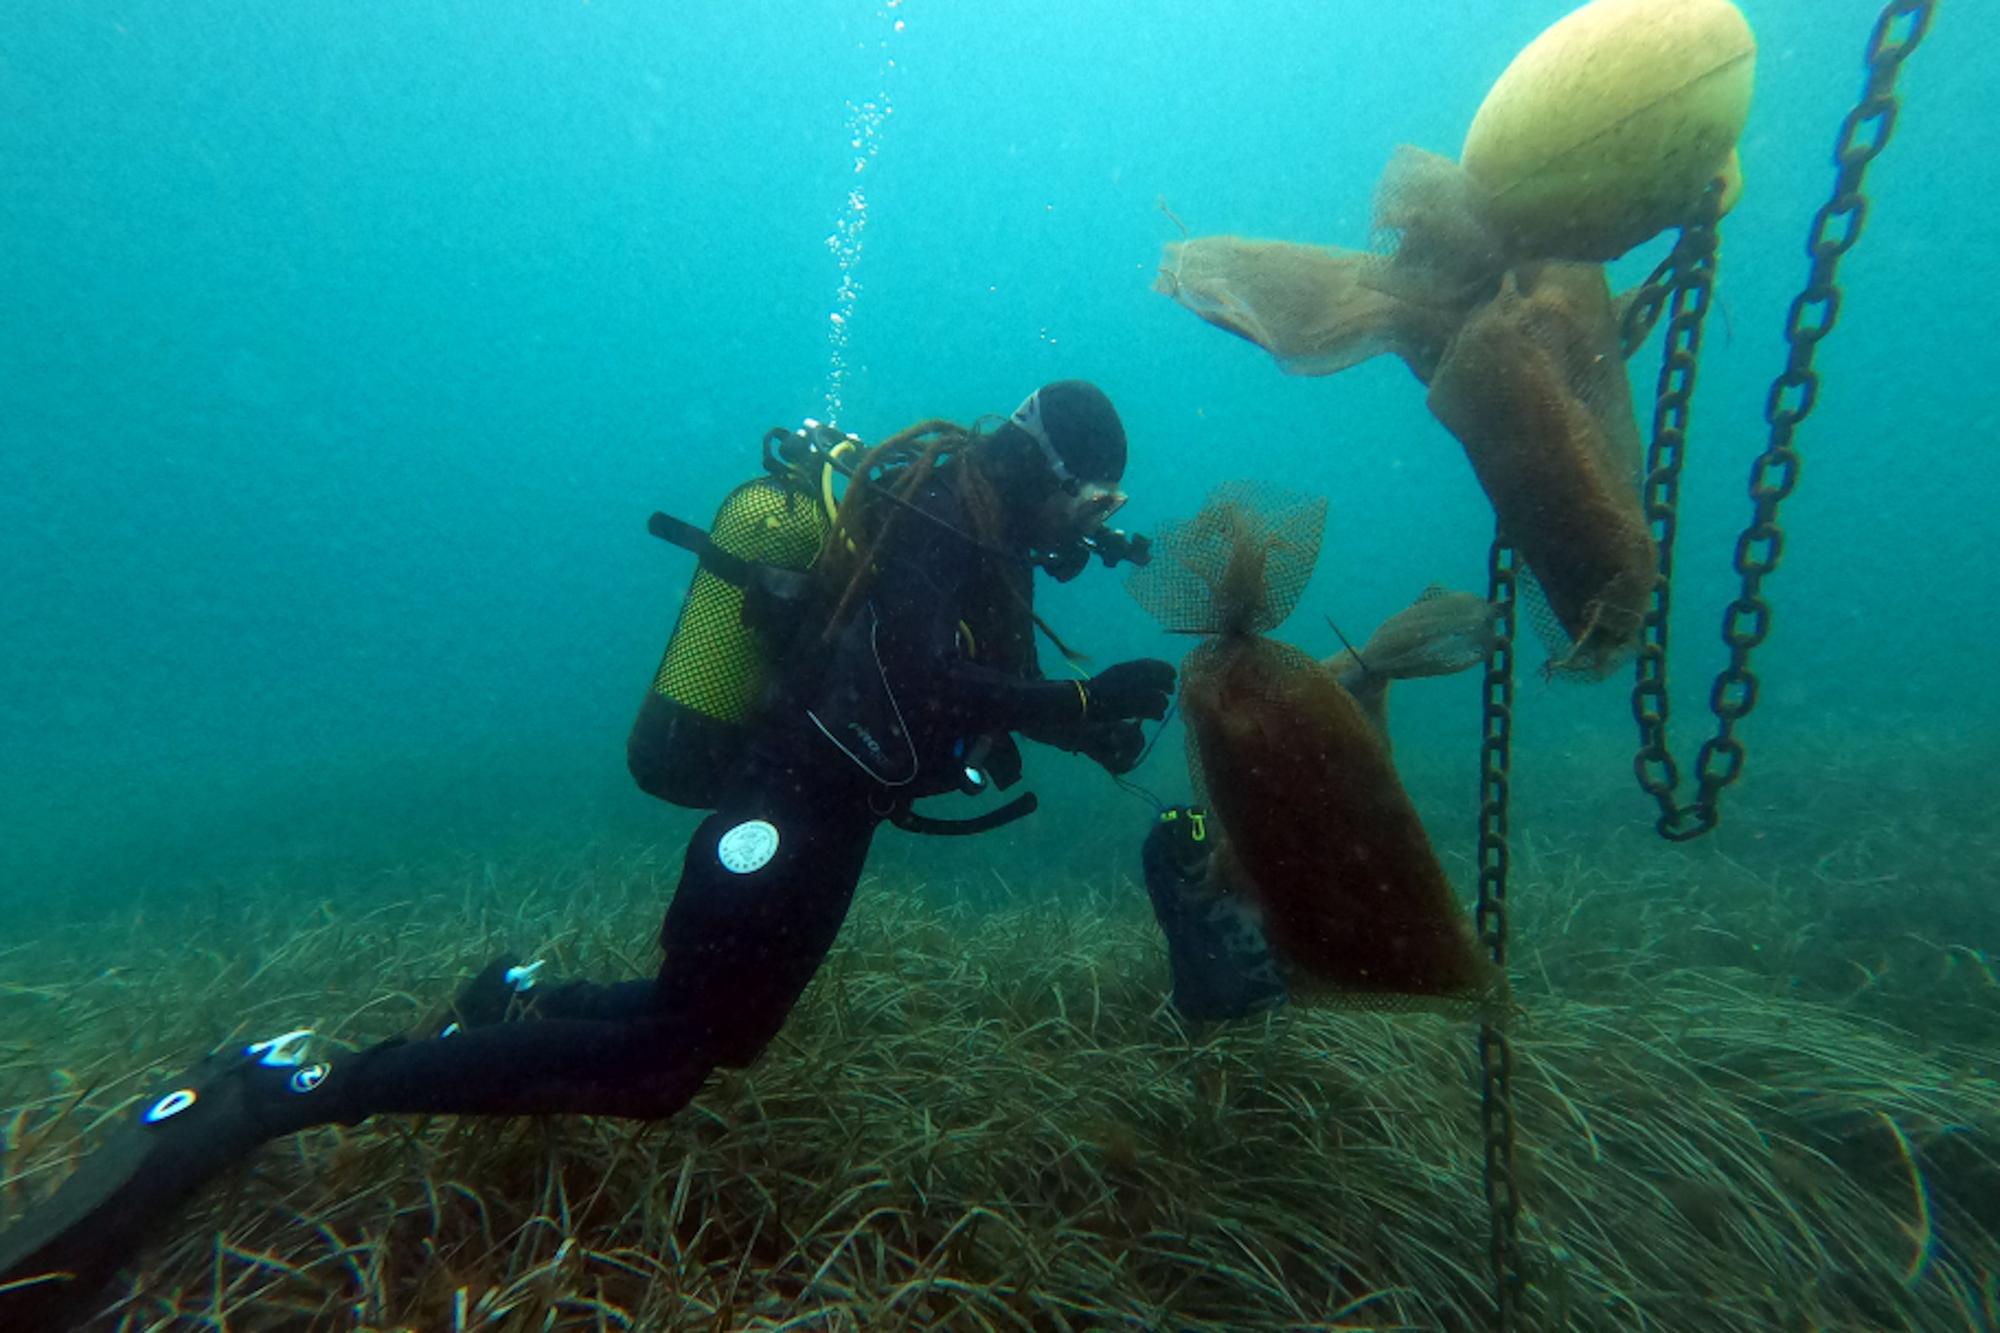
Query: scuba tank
[735, 621]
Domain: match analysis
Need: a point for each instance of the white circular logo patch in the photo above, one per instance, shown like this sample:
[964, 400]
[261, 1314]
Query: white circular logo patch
[747, 847]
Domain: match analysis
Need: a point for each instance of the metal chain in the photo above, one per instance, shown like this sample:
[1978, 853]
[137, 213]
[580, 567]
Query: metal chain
[1746, 623]
[1496, 1055]
[1681, 286]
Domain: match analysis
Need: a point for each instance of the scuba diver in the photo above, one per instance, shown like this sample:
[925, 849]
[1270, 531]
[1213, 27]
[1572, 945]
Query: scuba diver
[807, 695]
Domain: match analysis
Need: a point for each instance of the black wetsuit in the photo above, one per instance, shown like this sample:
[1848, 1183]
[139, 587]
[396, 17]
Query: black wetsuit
[941, 655]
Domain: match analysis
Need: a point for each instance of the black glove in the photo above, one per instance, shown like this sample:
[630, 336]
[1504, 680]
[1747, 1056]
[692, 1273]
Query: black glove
[1116, 745]
[1140, 688]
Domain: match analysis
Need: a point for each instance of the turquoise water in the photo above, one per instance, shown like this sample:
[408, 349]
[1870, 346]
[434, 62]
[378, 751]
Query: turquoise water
[346, 347]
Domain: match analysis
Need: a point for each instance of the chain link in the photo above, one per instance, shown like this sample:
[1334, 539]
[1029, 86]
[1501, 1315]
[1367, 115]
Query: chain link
[1683, 284]
[1648, 303]
[1496, 1056]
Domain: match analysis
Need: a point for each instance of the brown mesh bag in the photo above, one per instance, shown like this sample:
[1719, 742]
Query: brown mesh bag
[1320, 309]
[1524, 367]
[1312, 307]
[1534, 387]
[1236, 568]
[1317, 828]
[1441, 633]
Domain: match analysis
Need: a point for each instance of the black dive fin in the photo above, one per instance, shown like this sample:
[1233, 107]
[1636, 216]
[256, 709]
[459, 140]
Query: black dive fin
[57, 1260]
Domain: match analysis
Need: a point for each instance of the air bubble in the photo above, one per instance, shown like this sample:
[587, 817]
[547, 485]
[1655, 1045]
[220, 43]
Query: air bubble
[864, 124]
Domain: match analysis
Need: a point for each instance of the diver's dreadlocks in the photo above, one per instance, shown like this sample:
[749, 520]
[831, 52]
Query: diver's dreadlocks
[873, 504]
[885, 480]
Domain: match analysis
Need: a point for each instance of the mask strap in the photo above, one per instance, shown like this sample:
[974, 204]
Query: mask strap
[1028, 417]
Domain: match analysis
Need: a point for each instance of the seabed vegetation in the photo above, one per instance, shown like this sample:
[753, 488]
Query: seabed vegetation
[1753, 1093]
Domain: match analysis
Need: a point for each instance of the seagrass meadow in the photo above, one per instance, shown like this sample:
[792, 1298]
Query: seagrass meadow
[1755, 1084]
[350, 351]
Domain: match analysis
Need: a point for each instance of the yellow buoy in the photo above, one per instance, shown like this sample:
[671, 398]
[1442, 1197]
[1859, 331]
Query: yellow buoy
[1607, 127]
